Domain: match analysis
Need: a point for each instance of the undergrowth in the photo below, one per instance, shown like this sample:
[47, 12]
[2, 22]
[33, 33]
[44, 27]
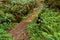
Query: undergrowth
[47, 26]
[12, 12]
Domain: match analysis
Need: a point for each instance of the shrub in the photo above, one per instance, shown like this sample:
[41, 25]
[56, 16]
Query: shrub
[4, 35]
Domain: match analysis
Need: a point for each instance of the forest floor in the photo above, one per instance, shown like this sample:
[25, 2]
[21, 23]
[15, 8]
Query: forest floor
[19, 32]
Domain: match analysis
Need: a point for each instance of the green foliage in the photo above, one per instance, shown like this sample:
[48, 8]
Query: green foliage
[6, 20]
[2, 31]
[4, 35]
[51, 19]
[50, 24]
[33, 31]
[47, 27]
[18, 8]
[6, 26]
[5, 17]
[11, 12]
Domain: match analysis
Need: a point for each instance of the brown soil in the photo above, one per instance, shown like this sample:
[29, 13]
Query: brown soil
[19, 32]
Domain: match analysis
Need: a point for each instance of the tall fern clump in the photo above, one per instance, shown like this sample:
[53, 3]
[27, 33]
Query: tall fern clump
[50, 24]
[4, 35]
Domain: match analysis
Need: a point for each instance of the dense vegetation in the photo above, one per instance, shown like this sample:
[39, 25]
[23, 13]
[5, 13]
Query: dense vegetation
[47, 27]
[16, 8]
[11, 13]
[4, 35]
[53, 3]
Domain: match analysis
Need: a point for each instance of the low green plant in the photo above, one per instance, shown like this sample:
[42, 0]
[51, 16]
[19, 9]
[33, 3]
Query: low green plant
[4, 35]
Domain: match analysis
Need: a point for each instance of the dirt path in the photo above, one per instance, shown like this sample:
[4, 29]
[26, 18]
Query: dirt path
[19, 32]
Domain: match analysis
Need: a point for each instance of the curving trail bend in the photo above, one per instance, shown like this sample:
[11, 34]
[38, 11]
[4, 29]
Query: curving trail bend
[19, 32]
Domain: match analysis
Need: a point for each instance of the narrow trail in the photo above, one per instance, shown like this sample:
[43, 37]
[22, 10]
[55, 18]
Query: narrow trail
[19, 32]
